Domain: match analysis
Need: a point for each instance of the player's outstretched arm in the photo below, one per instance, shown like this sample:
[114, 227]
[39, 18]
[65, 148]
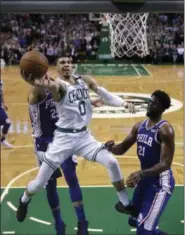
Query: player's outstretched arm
[110, 99]
[124, 146]
[167, 137]
[57, 89]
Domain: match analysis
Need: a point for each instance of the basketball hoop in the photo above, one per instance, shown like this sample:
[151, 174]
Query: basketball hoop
[128, 34]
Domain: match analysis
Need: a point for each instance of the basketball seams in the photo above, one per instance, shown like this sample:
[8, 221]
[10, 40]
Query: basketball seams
[35, 63]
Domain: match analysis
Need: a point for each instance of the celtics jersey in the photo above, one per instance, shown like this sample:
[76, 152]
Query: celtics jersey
[74, 110]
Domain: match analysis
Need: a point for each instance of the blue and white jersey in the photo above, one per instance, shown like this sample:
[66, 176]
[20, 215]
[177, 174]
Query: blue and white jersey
[149, 152]
[43, 117]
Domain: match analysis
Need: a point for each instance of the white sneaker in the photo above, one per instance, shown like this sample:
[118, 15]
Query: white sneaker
[6, 144]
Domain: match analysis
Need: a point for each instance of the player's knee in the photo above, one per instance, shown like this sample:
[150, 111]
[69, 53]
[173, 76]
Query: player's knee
[34, 186]
[38, 184]
[112, 163]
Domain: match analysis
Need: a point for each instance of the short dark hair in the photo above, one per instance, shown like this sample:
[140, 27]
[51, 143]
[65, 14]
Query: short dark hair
[164, 99]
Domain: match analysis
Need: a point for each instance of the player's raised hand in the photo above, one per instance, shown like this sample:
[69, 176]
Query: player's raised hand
[109, 144]
[134, 179]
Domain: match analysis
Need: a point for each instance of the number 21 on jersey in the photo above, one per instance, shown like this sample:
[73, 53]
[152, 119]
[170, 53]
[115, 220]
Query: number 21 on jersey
[141, 150]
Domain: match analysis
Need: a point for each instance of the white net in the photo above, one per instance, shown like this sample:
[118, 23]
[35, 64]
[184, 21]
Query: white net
[128, 34]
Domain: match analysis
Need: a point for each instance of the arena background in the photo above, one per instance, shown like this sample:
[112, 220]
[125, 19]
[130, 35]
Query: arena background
[87, 41]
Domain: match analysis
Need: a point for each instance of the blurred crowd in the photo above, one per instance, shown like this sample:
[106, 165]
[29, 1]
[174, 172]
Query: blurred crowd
[53, 35]
[79, 37]
[166, 38]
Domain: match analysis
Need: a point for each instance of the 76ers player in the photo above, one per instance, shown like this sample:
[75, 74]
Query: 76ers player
[43, 116]
[155, 148]
[5, 34]
[4, 120]
[72, 135]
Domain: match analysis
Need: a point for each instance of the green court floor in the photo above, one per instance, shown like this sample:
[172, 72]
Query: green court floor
[112, 70]
[99, 206]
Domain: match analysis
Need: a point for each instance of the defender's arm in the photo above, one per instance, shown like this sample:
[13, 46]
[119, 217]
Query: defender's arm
[124, 146]
[34, 94]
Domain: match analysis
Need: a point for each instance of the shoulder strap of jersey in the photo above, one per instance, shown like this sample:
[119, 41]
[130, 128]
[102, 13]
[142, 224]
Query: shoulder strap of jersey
[77, 78]
[161, 123]
[158, 126]
[142, 125]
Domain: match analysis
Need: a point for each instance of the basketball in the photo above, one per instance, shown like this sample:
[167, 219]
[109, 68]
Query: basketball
[35, 63]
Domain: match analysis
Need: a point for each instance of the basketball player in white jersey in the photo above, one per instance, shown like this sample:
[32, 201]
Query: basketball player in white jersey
[72, 136]
[43, 116]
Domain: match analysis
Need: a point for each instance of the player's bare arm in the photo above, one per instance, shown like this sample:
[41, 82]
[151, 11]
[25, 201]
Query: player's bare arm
[167, 137]
[124, 146]
[110, 99]
[34, 95]
[91, 82]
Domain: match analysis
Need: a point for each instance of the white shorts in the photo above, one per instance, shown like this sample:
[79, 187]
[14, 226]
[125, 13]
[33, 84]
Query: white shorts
[40, 156]
[65, 145]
